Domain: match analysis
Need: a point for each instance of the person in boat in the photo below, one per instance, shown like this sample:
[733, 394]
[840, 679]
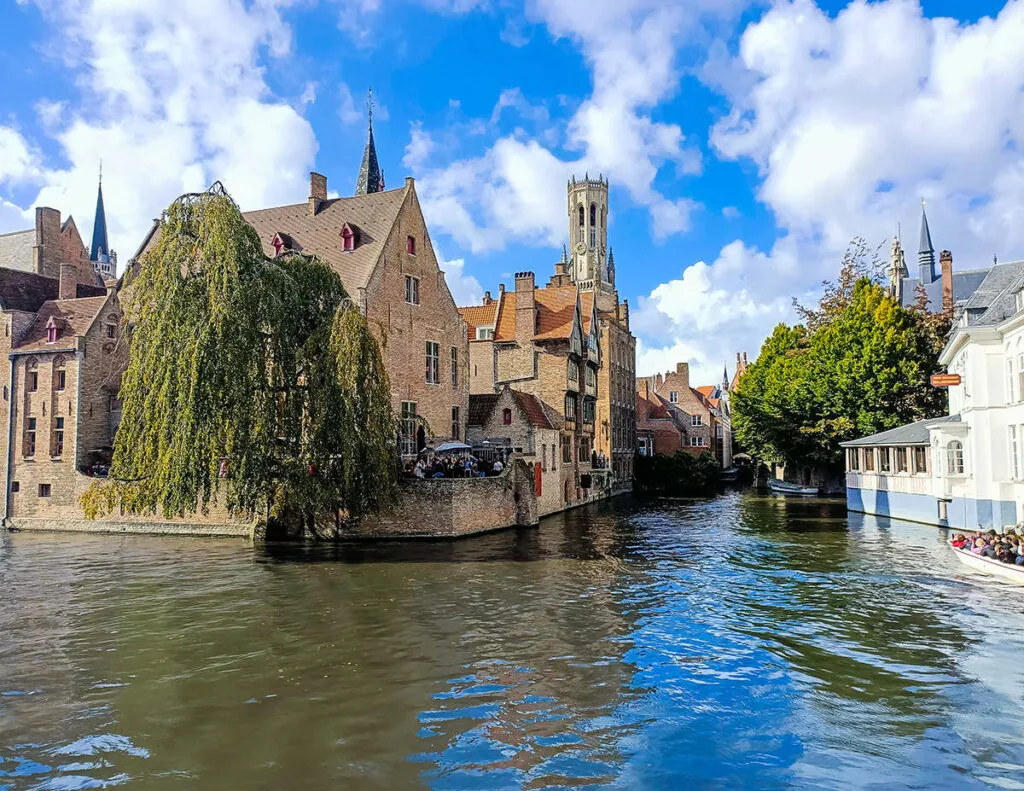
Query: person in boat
[958, 541]
[979, 546]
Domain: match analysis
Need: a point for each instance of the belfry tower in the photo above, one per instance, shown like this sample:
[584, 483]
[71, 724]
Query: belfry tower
[588, 231]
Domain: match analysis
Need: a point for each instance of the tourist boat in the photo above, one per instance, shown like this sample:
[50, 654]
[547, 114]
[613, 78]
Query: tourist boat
[990, 566]
[785, 487]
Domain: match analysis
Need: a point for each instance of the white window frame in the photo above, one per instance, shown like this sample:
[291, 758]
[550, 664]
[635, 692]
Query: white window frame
[433, 363]
[412, 290]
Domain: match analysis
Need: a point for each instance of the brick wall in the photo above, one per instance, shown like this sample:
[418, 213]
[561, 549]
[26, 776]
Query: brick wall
[481, 367]
[408, 327]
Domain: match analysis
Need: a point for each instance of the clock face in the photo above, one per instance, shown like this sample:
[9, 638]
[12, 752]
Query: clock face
[581, 248]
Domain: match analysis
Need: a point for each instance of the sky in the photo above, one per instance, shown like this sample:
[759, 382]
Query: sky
[746, 142]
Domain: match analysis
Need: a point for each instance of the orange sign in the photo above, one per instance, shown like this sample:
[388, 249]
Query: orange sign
[945, 380]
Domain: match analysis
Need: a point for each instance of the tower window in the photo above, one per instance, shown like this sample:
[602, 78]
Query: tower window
[593, 215]
[582, 217]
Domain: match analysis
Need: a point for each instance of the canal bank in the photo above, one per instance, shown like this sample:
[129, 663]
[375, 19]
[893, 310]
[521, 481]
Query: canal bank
[739, 642]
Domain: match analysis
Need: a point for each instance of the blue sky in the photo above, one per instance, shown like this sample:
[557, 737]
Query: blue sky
[745, 142]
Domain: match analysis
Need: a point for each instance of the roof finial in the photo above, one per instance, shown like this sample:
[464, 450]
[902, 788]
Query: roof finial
[995, 259]
[101, 170]
[369, 107]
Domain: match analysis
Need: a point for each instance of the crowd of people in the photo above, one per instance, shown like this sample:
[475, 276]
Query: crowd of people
[451, 466]
[1004, 547]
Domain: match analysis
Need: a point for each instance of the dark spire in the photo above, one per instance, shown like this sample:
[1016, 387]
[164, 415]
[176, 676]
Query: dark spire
[925, 252]
[369, 172]
[611, 266]
[100, 245]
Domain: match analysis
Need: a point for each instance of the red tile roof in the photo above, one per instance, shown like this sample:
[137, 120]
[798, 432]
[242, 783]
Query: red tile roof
[479, 316]
[534, 409]
[74, 317]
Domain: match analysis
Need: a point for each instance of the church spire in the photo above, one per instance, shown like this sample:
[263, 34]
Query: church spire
[369, 172]
[100, 245]
[925, 252]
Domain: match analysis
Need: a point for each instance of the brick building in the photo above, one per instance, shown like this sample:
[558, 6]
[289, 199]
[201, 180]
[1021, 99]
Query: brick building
[660, 430]
[523, 423]
[544, 342]
[62, 337]
[378, 243]
[702, 412]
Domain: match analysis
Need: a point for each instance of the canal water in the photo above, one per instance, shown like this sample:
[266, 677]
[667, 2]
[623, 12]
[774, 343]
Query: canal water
[744, 642]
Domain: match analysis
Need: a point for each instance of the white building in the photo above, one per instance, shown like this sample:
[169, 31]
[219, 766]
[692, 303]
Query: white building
[967, 469]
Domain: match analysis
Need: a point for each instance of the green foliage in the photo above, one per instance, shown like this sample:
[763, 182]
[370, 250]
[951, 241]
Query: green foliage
[682, 474]
[254, 367]
[861, 366]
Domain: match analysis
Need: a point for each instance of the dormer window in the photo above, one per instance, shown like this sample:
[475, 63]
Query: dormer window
[51, 331]
[349, 237]
[282, 243]
[278, 244]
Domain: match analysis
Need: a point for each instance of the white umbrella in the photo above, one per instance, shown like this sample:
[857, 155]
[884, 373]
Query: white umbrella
[449, 447]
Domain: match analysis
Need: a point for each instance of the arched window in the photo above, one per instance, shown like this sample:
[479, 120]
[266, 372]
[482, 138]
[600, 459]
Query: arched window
[582, 217]
[955, 458]
[51, 331]
[506, 417]
[593, 214]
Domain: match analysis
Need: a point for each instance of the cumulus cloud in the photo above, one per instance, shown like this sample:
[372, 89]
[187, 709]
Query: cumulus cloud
[173, 98]
[850, 120]
[465, 288]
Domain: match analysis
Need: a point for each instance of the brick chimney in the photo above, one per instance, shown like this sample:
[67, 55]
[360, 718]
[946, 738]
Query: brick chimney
[946, 263]
[526, 311]
[658, 382]
[683, 372]
[744, 358]
[317, 192]
[48, 250]
[487, 298]
[67, 285]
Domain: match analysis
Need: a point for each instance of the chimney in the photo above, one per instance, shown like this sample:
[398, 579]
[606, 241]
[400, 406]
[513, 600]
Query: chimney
[317, 192]
[683, 371]
[526, 312]
[487, 298]
[625, 312]
[946, 262]
[658, 383]
[47, 253]
[737, 360]
[744, 359]
[408, 182]
[67, 285]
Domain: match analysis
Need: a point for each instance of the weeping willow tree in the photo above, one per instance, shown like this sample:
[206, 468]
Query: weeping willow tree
[249, 378]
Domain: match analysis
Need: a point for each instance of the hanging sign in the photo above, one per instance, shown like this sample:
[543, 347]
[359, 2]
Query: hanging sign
[945, 380]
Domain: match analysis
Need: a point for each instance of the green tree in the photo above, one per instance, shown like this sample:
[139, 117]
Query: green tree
[253, 372]
[861, 365]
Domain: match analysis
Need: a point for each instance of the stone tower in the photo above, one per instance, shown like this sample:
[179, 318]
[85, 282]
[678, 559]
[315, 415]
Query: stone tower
[588, 231]
[897, 270]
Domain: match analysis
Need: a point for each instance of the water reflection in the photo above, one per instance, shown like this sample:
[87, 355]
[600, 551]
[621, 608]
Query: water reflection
[745, 642]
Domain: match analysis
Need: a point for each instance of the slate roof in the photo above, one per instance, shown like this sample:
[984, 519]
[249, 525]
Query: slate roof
[26, 291]
[479, 316]
[73, 316]
[16, 250]
[320, 234]
[965, 283]
[100, 246]
[480, 408]
[995, 299]
[910, 434]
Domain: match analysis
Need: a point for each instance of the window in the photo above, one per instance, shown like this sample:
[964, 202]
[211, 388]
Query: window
[484, 333]
[1020, 378]
[574, 371]
[410, 245]
[433, 363]
[921, 460]
[1014, 457]
[44, 490]
[591, 377]
[570, 407]
[506, 417]
[584, 449]
[697, 442]
[582, 217]
[567, 444]
[60, 381]
[901, 460]
[588, 410]
[51, 333]
[348, 238]
[696, 420]
[33, 379]
[455, 366]
[15, 486]
[852, 459]
[718, 430]
[456, 423]
[673, 397]
[955, 458]
[885, 460]
[869, 459]
[408, 436]
[111, 330]
[30, 437]
[412, 290]
[1009, 381]
[543, 458]
[593, 215]
[58, 437]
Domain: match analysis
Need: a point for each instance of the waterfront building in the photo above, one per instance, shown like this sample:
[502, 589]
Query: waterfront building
[660, 430]
[703, 412]
[511, 421]
[544, 342]
[62, 337]
[965, 469]
[378, 243]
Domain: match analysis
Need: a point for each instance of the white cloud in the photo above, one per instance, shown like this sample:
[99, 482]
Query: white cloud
[17, 162]
[421, 144]
[173, 98]
[465, 288]
[850, 120]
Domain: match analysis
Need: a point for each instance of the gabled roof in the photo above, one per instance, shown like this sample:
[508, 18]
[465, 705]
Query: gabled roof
[910, 434]
[556, 311]
[320, 234]
[707, 390]
[505, 326]
[25, 291]
[995, 299]
[73, 316]
[480, 408]
[533, 407]
[479, 316]
[651, 408]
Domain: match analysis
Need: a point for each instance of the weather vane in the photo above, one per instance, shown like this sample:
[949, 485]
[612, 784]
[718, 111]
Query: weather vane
[369, 105]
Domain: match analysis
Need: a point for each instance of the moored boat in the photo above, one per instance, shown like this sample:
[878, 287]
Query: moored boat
[990, 566]
[785, 487]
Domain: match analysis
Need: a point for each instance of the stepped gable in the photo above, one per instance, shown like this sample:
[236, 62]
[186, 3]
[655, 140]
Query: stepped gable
[319, 234]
